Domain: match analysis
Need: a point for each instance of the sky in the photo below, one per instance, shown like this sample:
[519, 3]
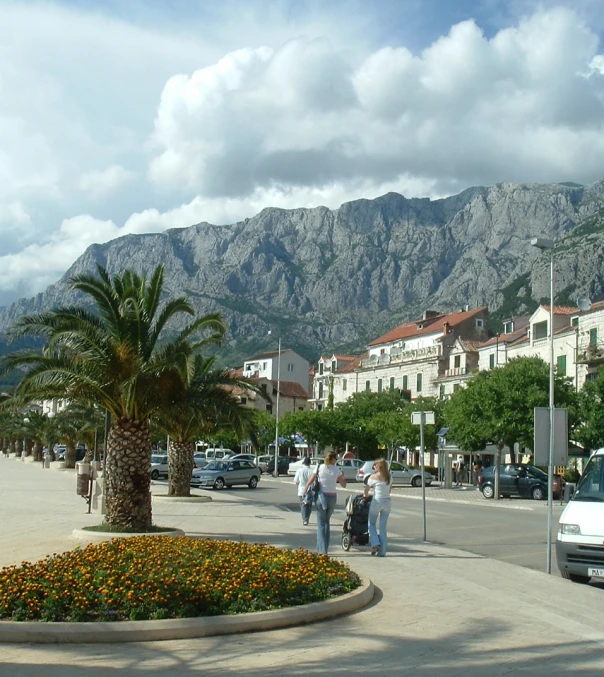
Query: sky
[135, 117]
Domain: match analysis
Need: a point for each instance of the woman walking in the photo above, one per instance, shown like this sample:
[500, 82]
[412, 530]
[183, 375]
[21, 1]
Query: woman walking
[303, 474]
[381, 484]
[329, 476]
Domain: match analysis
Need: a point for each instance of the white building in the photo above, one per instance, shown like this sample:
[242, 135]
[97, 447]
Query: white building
[294, 368]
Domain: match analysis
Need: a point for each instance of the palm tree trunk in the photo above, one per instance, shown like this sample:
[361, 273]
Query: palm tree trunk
[70, 455]
[37, 451]
[180, 468]
[128, 476]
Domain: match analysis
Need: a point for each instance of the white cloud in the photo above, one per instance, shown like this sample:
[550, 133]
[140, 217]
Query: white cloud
[240, 106]
[101, 183]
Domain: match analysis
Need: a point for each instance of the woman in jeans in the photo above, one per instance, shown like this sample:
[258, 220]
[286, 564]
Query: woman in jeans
[329, 476]
[381, 483]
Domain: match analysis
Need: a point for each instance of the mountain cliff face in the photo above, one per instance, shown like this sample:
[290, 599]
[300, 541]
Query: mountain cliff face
[330, 280]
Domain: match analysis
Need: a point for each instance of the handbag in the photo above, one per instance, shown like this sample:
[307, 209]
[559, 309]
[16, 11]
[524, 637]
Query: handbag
[316, 485]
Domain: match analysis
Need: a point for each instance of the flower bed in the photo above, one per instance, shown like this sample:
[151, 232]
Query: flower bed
[146, 578]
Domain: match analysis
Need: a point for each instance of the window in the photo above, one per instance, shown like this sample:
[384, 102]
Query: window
[320, 368]
[334, 366]
[319, 407]
[264, 365]
[405, 382]
[368, 386]
[540, 330]
[456, 387]
[508, 327]
[419, 382]
[290, 367]
[269, 408]
[457, 361]
[561, 365]
[593, 336]
[392, 383]
[380, 385]
[243, 400]
[443, 392]
[382, 351]
[300, 408]
[492, 361]
[574, 322]
[591, 376]
[320, 391]
[344, 384]
[480, 323]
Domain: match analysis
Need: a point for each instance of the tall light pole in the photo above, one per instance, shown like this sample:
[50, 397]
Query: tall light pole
[545, 243]
[276, 474]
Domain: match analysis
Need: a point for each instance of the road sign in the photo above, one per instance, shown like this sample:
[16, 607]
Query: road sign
[416, 417]
[541, 443]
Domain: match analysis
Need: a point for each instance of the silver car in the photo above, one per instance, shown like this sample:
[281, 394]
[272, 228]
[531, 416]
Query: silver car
[401, 474]
[159, 466]
[227, 473]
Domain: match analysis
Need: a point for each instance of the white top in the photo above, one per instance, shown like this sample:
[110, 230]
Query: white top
[301, 478]
[381, 490]
[328, 478]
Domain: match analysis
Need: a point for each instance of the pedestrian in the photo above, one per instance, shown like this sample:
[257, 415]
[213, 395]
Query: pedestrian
[380, 482]
[459, 472]
[477, 467]
[329, 476]
[305, 497]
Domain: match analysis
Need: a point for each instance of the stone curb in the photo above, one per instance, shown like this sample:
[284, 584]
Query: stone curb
[184, 628]
[99, 536]
[164, 498]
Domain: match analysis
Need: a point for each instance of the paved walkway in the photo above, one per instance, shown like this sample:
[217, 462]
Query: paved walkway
[438, 612]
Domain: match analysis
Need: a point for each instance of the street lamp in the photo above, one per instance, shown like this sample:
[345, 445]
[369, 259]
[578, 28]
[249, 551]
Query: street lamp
[277, 411]
[543, 244]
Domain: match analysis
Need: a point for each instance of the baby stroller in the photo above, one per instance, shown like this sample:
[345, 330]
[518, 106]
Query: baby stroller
[356, 525]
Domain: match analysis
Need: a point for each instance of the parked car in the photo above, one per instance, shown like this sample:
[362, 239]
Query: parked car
[199, 459]
[263, 461]
[215, 454]
[282, 468]
[294, 466]
[518, 479]
[61, 450]
[244, 457]
[401, 474]
[226, 473]
[159, 466]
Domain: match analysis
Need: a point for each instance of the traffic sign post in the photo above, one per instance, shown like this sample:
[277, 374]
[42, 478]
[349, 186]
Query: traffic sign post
[422, 418]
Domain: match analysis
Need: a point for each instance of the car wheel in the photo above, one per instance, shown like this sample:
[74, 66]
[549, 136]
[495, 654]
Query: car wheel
[575, 578]
[253, 483]
[346, 541]
[155, 474]
[416, 481]
[219, 483]
[488, 491]
[538, 494]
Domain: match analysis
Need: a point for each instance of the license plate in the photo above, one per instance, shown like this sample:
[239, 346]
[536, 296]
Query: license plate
[596, 572]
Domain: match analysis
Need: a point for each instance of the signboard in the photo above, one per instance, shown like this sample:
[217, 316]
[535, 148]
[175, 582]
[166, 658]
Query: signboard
[541, 443]
[416, 417]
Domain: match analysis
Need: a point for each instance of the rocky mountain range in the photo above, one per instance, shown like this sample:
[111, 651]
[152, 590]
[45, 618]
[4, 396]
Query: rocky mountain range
[330, 280]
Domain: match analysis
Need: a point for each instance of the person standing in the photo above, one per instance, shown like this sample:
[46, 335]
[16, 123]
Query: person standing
[301, 478]
[381, 484]
[329, 477]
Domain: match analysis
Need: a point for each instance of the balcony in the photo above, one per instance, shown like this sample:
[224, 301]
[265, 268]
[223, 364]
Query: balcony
[457, 371]
[591, 354]
[399, 357]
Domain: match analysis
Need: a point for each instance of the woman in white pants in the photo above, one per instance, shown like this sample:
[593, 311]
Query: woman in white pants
[379, 510]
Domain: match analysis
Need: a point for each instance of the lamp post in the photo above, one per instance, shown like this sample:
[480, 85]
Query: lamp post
[277, 411]
[543, 244]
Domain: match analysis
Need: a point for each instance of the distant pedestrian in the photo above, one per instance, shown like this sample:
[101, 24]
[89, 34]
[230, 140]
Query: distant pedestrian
[301, 478]
[380, 482]
[329, 476]
[477, 468]
[459, 471]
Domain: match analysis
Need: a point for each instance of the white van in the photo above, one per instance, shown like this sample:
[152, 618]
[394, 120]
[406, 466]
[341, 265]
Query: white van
[580, 543]
[215, 454]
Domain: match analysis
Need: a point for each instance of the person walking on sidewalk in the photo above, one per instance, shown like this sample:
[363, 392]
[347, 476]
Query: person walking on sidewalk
[329, 476]
[301, 479]
[381, 484]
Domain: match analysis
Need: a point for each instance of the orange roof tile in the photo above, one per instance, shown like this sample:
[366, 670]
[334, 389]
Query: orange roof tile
[431, 325]
[563, 310]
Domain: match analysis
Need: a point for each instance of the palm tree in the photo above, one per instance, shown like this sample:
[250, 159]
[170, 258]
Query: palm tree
[77, 423]
[204, 403]
[113, 356]
[42, 429]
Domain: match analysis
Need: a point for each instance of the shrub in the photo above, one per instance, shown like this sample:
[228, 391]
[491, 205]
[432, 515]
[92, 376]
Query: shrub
[148, 577]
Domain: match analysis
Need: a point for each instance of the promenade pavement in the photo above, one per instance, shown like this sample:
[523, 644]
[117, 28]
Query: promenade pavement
[437, 611]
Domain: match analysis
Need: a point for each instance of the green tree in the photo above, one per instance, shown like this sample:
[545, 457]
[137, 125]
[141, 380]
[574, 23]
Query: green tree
[590, 408]
[77, 423]
[264, 424]
[116, 355]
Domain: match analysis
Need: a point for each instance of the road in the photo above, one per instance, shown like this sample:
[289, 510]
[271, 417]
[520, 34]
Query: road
[514, 531]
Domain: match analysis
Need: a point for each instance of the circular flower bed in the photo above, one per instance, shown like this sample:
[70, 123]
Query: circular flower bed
[146, 578]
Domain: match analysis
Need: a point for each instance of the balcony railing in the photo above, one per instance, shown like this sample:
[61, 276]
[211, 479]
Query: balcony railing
[590, 354]
[457, 371]
[403, 356]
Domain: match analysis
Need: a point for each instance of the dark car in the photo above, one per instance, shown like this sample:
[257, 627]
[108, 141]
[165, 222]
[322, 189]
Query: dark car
[518, 479]
[282, 467]
[226, 473]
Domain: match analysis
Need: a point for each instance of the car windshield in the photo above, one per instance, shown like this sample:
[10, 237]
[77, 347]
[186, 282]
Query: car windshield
[591, 485]
[535, 472]
[216, 465]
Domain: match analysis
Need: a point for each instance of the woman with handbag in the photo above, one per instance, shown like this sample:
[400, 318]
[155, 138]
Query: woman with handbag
[328, 476]
[381, 484]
